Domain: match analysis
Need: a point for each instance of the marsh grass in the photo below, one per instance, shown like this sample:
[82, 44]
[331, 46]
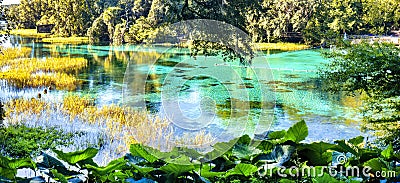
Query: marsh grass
[29, 33]
[13, 53]
[197, 139]
[122, 125]
[34, 72]
[280, 46]
[67, 40]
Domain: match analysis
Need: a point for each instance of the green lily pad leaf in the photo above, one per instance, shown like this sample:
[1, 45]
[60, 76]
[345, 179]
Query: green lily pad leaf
[245, 140]
[22, 163]
[345, 147]
[388, 153]
[242, 151]
[78, 156]
[9, 167]
[324, 179]
[206, 171]
[357, 141]
[176, 170]
[375, 164]
[139, 150]
[243, 169]
[143, 170]
[286, 181]
[61, 178]
[111, 167]
[266, 146]
[277, 134]
[221, 148]
[297, 132]
[317, 153]
[48, 162]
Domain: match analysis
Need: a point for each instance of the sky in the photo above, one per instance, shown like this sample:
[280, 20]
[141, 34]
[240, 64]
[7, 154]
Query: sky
[10, 2]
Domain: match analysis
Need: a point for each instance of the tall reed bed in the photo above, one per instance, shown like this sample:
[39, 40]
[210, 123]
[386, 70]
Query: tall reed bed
[13, 53]
[34, 72]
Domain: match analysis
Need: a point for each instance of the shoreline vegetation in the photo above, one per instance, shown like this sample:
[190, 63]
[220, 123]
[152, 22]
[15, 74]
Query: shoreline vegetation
[47, 38]
[24, 72]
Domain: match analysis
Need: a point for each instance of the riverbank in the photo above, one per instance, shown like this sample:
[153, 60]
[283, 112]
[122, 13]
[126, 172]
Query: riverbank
[48, 38]
[281, 46]
[29, 33]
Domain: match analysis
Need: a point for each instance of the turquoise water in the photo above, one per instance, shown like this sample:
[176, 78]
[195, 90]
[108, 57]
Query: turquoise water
[204, 93]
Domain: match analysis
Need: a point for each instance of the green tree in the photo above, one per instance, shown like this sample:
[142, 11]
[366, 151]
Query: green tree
[372, 69]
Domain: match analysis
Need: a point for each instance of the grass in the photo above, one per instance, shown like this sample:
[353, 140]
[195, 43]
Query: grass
[34, 72]
[280, 46]
[46, 37]
[29, 33]
[123, 125]
[13, 53]
[67, 40]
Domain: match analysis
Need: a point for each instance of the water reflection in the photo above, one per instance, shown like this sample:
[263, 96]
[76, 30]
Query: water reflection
[297, 92]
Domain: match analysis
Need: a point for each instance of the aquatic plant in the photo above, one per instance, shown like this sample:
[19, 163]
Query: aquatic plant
[13, 53]
[26, 106]
[20, 141]
[282, 157]
[43, 72]
[75, 105]
[123, 125]
[67, 40]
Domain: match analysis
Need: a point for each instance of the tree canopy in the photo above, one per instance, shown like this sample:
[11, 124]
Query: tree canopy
[264, 20]
[373, 71]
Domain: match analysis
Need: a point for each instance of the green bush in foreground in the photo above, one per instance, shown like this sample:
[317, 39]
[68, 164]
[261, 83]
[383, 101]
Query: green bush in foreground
[243, 162]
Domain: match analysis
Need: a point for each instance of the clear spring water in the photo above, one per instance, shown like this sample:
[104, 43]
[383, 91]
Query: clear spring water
[296, 91]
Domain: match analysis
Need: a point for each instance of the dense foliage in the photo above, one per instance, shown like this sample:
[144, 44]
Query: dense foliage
[372, 70]
[241, 163]
[314, 21]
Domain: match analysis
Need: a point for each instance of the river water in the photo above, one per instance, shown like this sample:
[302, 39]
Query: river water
[204, 92]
